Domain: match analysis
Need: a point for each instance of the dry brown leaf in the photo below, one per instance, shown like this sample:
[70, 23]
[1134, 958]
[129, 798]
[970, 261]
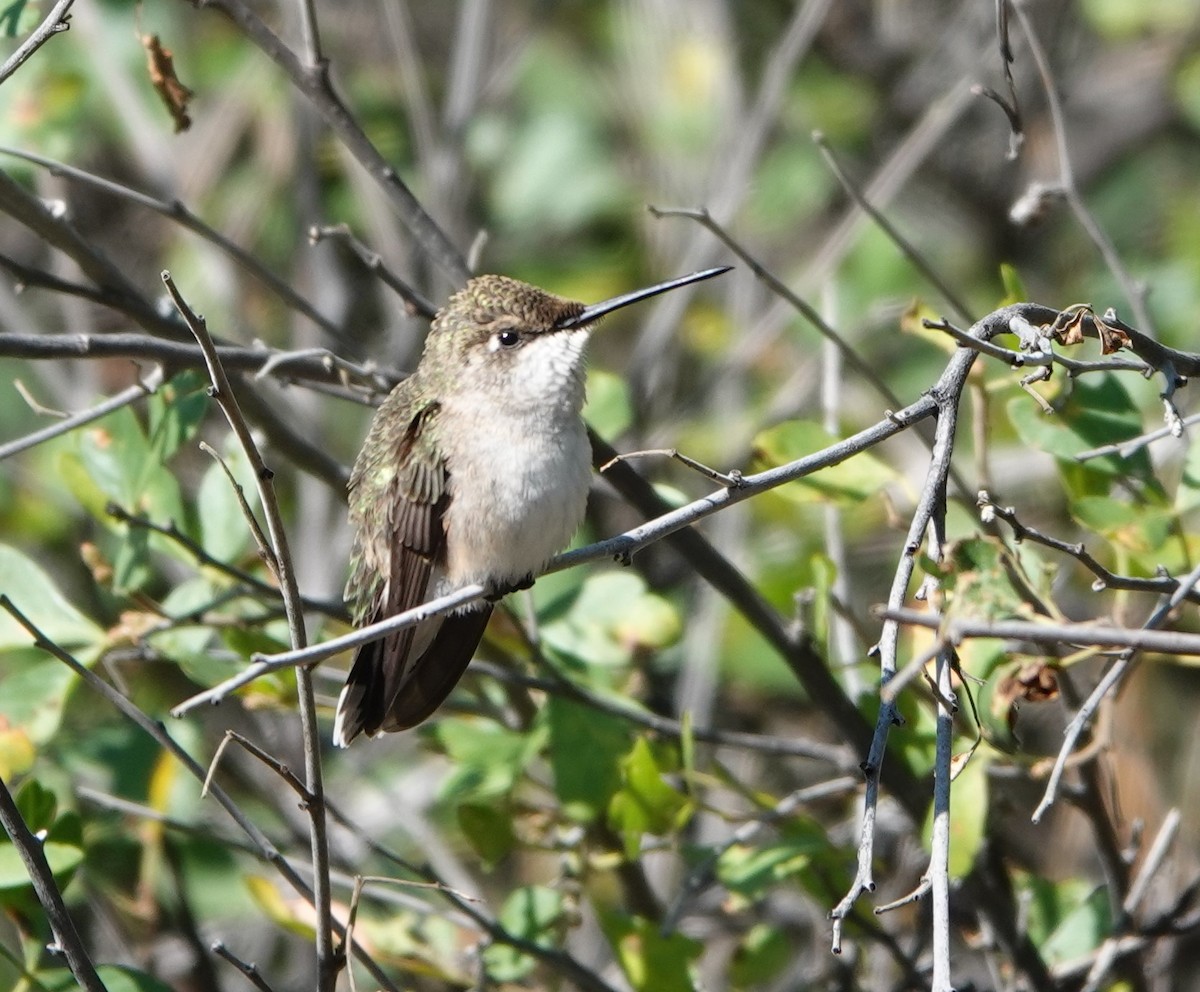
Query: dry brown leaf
[161, 66]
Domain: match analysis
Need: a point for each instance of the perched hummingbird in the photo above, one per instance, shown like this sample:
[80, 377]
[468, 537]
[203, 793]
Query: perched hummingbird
[476, 470]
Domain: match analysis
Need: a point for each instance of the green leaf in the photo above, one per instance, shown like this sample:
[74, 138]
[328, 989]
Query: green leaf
[608, 409]
[1187, 495]
[851, 481]
[488, 759]
[974, 575]
[189, 645]
[33, 692]
[750, 872]
[645, 804]
[62, 843]
[533, 912]
[762, 953]
[1078, 923]
[14, 879]
[1140, 530]
[283, 912]
[36, 804]
[175, 414]
[613, 616]
[1098, 411]
[224, 532]
[35, 594]
[585, 750]
[1014, 288]
[555, 150]
[115, 978]
[651, 961]
[488, 829]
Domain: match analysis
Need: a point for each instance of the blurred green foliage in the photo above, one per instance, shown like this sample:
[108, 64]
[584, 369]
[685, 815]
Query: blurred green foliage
[575, 827]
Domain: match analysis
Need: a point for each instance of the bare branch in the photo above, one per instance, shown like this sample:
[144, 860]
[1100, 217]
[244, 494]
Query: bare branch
[178, 212]
[248, 969]
[327, 960]
[30, 850]
[54, 22]
[144, 387]
[313, 81]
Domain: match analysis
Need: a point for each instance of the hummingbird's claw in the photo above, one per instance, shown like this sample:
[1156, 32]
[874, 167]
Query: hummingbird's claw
[499, 592]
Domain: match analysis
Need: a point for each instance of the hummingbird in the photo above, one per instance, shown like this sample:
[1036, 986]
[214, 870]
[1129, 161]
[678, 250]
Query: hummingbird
[475, 470]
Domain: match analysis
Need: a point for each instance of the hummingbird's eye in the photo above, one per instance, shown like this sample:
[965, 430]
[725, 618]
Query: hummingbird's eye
[508, 339]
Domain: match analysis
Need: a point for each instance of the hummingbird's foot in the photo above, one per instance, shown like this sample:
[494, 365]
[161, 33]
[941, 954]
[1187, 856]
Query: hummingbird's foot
[499, 592]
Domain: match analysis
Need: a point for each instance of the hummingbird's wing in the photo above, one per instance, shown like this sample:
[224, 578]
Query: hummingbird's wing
[400, 499]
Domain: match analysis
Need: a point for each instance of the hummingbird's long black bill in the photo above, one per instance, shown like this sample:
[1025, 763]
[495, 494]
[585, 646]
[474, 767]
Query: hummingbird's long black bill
[592, 313]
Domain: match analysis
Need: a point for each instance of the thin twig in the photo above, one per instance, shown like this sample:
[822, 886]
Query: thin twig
[314, 365]
[248, 969]
[265, 550]
[1105, 579]
[29, 848]
[1109, 950]
[178, 212]
[918, 260]
[939, 858]
[54, 22]
[1144, 640]
[268, 759]
[415, 305]
[1125, 449]
[914, 895]
[958, 629]
[39, 408]
[313, 82]
[702, 874]
[112, 287]
[330, 608]
[665, 726]
[849, 355]
[1009, 104]
[729, 480]
[262, 845]
[143, 387]
[1134, 292]
[327, 960]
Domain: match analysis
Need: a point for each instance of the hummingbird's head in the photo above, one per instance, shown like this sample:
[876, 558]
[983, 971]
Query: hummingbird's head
[508, 338]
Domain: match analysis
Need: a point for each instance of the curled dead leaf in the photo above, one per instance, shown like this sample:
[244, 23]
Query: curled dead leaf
[161, 65]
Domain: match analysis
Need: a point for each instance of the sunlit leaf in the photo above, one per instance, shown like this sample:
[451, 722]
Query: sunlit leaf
[36, 595]
[487, 759]
[1098, 411]
[224, 531]
[586, 748]
[645, 803]
[613, 616]
[652, 961]
[851, 481]
[280, 911]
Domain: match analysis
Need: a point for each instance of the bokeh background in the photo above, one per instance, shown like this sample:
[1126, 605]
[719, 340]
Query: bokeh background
[537, 135]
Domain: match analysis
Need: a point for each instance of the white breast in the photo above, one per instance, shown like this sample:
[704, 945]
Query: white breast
[518, 492]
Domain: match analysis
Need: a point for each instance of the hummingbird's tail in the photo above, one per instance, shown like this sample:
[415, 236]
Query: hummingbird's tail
[388, 689]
